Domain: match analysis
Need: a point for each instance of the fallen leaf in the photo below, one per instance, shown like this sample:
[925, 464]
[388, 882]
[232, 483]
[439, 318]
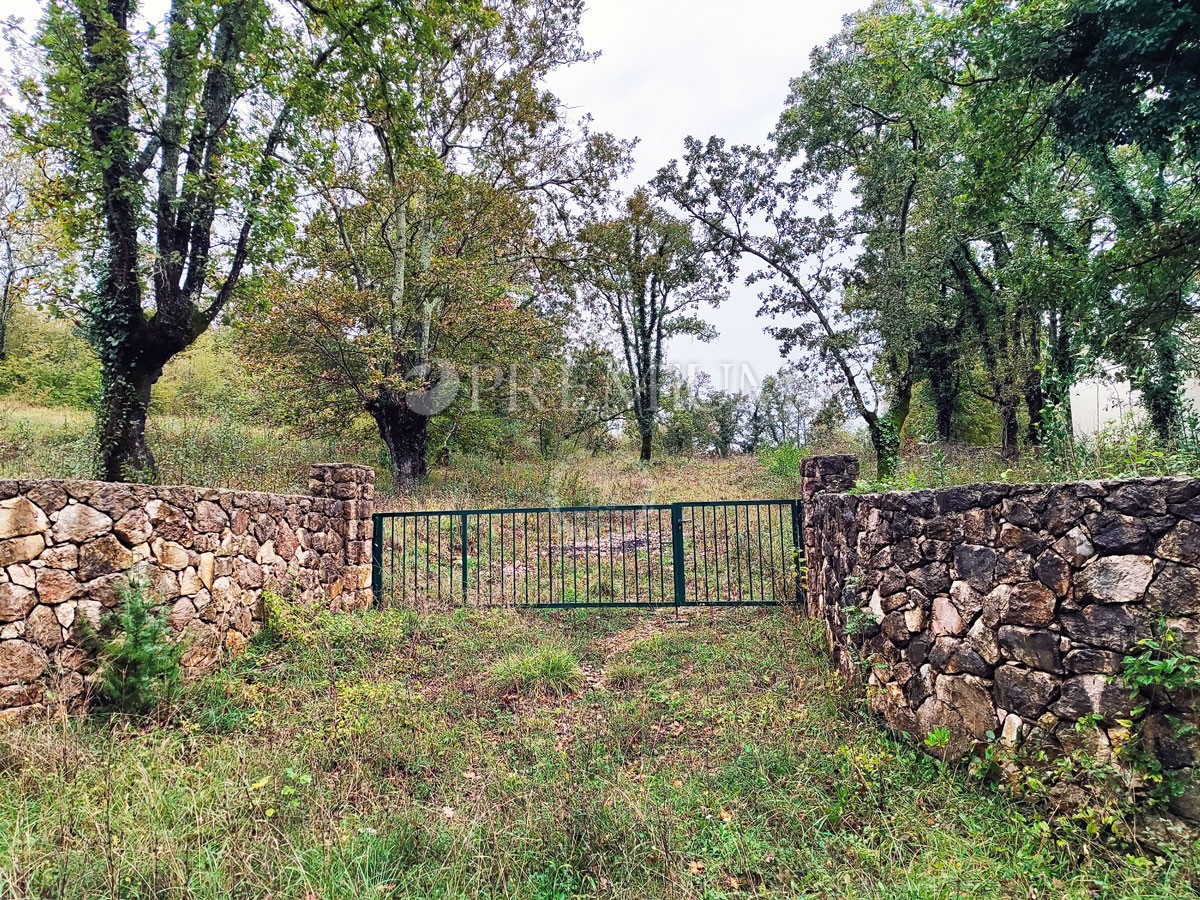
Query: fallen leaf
[696, 868]
[448, 812]
[726, 815]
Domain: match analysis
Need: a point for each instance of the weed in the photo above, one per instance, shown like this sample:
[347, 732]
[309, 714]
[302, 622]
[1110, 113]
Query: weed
[622, 675]
[548, 671]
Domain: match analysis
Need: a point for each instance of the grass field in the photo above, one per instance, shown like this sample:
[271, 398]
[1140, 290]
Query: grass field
[480, 754]
[385, 754]
[54, 442]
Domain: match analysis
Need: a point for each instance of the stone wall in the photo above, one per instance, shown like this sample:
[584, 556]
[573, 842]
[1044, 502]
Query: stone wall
[68, 547]
[1004, 612]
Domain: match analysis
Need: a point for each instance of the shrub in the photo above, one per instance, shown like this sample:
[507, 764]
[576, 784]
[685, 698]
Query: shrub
[550, 671]
[139, 664]
[783, 460]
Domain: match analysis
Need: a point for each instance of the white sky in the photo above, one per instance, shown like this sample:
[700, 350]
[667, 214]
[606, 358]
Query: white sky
[670, 68]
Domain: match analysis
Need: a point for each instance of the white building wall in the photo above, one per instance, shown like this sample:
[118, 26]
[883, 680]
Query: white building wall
[1099, 402]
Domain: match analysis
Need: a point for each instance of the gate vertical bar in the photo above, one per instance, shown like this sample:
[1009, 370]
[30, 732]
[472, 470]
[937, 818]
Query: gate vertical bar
[377, 560]
[797, 548]
[677, 554]
[462, 527]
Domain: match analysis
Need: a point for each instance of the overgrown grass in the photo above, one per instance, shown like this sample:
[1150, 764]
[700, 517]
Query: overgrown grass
[550, 670]
[212, 451]
[368, 755]
[224, 452]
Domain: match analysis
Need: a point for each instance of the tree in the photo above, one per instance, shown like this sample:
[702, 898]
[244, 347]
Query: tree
[725, 412]
[1126, 77]
[167, 150]
[646, 275]
[751, 209]
[1128, 73]
[781, 411]
[16, 262]
[333, 338]
[455, 181]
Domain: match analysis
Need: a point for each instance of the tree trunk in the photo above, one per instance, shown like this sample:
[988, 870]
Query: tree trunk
[1009, 446]
[647, 443]
[901, 404]
[405, 433]
[1058, 386]
[1161, 386]
[885, 441]
[1035, 404]
[938, 366]
[121, 423]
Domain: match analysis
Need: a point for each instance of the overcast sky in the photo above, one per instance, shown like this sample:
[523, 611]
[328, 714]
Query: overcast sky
[670, 68]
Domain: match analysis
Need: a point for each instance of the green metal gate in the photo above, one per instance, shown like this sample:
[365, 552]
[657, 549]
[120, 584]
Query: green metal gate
[725, 553]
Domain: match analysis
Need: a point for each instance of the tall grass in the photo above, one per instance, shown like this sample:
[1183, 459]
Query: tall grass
[366, 755]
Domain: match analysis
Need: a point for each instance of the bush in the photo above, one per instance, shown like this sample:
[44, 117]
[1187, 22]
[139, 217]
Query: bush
[139, 665]
[783, 460]
[550, 671]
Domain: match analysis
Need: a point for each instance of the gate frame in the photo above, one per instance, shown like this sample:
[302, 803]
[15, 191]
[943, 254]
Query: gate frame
[678, 563]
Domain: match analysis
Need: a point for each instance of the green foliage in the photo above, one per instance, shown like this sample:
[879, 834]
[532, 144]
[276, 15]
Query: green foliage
[551, 670]
[782, 460]
[48, 363]
[110, 110]
[1160, 667]
[646, 276]
[938, 738]
[139, 663]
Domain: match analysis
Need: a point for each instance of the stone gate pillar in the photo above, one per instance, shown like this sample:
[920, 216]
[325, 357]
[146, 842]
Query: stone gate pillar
[833, 474]
[352, 487]
[821, 475]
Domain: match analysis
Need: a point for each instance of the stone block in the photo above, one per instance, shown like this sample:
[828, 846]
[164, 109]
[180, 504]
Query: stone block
[946, 618]
[1029, 603]
[1108, 626]
[1084, 695]
[1026, 692]
[78, 523]
[1115, 579]
[19, 517]
[42, 628]
[1075, 547]
[21, 549]
[1181, 544]
[15, 602]
[133, 528]
[976, 565]
[1034, 647]
[1175, 591]
[103, 556]
[56, 585]
[21, 661]
[1115, 533]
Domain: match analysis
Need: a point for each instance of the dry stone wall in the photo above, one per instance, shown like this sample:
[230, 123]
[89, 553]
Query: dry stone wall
[1005, 612]
[68, 547]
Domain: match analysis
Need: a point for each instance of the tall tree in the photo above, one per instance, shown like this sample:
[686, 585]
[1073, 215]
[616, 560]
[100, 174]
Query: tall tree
[1126, 81]
[646, 275]
[459, 163]
[751, 208]
[168, 149]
